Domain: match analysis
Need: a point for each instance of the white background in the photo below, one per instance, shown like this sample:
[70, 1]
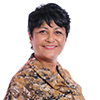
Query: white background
[81, 55]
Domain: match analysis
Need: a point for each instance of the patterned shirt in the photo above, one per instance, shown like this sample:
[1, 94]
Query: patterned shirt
[36, 82]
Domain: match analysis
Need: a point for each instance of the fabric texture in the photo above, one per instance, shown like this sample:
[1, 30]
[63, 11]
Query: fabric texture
[36, 82]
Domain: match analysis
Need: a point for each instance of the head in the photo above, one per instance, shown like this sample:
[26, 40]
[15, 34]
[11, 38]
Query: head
[49, 12]
[50, 17]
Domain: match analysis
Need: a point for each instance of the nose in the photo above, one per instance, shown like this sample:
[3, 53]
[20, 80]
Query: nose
[50, 38]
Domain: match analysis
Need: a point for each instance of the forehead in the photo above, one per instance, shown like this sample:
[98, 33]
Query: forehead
[52, 25]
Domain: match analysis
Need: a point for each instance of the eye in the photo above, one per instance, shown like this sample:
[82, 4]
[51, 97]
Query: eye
[58, 32]
[42, 31]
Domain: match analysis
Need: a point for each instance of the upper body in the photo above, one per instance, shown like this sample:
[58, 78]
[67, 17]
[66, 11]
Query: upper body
[42, 78]
[34, 81]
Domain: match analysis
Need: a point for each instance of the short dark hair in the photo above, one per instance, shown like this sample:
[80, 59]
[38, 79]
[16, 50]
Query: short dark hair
[49, 12]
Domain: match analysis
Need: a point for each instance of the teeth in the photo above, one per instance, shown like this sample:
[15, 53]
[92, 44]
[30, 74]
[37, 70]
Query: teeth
[49, 46]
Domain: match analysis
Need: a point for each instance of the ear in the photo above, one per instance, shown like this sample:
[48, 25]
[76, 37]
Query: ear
[30, 38]
[66, 40]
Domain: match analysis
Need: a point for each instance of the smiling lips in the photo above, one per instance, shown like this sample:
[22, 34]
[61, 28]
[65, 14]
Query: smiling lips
[50, 47]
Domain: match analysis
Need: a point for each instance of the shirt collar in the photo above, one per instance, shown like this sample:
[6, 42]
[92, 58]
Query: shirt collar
[55, 79]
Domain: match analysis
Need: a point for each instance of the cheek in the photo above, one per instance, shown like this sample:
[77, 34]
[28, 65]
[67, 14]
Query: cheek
[37, 40]
[62, 41]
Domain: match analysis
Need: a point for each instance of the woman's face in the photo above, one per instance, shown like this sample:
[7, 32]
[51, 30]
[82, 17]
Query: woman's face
[48, 42]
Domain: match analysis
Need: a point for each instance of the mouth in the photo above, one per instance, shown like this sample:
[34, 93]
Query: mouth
[50, 47]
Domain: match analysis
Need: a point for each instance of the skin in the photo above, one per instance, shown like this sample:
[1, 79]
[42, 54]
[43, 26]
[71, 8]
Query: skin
[48, 42]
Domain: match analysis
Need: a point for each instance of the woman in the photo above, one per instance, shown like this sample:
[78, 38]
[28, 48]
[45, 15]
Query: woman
[42, 77]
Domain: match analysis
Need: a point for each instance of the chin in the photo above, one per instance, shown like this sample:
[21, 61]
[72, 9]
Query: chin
[50, 56]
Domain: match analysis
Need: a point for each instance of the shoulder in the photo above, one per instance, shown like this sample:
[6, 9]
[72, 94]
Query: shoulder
[67, 72]
[20, 83]
[76, 88]
[71, 79]
[26, 73]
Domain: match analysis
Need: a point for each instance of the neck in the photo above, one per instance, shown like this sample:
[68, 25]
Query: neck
[50, 64]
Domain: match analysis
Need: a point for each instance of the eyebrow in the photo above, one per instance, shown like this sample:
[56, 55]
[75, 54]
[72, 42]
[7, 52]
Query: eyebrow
[52, 27]
[58, 28]
[43, 27]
